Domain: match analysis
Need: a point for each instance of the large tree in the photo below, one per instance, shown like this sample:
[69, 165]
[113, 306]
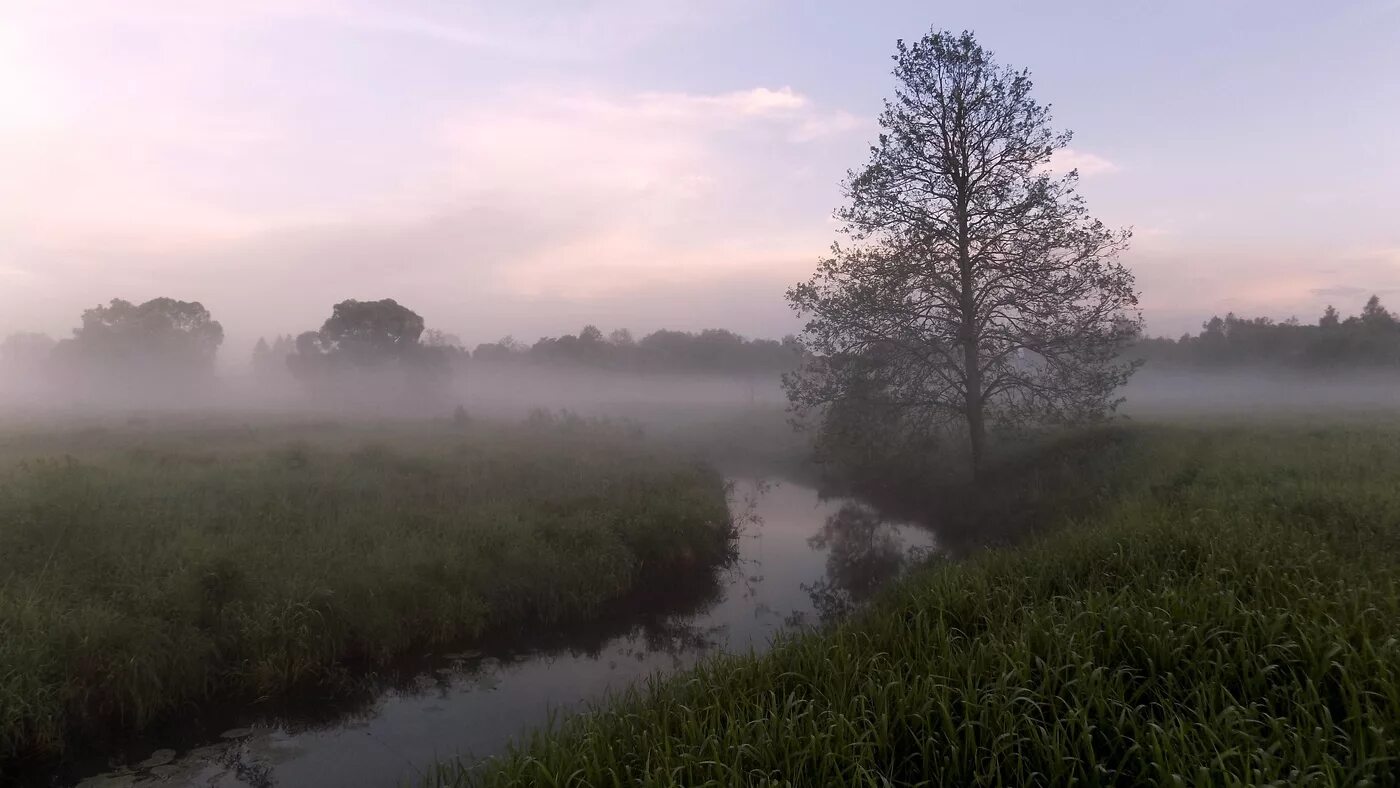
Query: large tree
[974, 288]
[162, 337]
[371, 350]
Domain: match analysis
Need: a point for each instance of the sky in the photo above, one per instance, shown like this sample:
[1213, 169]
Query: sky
[525, 168]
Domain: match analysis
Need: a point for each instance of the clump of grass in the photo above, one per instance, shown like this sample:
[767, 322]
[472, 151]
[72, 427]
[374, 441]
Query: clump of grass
[146, 571]
[1224, 615]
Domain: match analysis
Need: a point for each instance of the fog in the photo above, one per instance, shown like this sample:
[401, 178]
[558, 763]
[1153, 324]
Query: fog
[505, 391]
[513, 390]
[1165, 391]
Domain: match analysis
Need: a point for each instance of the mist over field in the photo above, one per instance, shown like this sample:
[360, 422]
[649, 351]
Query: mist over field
[511, 389]
[669, 393]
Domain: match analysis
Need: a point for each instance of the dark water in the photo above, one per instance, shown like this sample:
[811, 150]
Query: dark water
[801, 560]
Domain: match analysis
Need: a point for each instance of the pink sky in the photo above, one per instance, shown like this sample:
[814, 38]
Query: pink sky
[526, 168]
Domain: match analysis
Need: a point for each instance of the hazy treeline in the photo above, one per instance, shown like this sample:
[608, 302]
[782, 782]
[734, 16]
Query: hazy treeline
[1368, 340]
[713, 350]
[157, 351]
[163, 352]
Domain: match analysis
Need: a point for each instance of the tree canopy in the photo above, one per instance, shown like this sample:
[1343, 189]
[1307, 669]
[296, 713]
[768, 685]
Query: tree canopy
[161, 337]
[370, 350]
[1370, 339]
[973, 288]
[713, 350]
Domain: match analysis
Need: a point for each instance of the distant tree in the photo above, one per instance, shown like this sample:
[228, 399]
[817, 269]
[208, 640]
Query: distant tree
[1375, 314]
[507, 348]
[269, 359]
[591, 335]
[435, 338]
[262, 356]
[1329, 318]
[374, 338]
[162, 339]
[1370, 339]
[975, 288]
[713, 350]
[369, 332]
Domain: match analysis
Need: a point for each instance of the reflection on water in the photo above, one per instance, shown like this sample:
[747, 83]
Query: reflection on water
[799, 558]
[863, 553]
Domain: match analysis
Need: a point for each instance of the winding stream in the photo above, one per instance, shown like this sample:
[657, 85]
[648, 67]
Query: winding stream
[801, 560]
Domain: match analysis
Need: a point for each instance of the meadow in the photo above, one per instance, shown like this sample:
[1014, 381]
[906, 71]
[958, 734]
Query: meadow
[1211, 605]
[150, 569]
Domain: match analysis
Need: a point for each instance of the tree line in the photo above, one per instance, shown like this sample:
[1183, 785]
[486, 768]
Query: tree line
[177, 342]
[1370, 339]
[713, 350]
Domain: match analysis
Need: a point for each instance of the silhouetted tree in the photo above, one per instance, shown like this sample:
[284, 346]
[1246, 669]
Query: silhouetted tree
[1371, 339]
[262, 356]
[591, 335]
[374, 338]
[270, 358]
[161, 340]
[1375, 314]
[507, 348]
[1329, 318]
[368, 332]
[712, 350]
[435, 338]
[975, 284]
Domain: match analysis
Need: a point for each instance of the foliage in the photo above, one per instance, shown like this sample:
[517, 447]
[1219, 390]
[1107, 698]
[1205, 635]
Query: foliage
[369, 351]
[162, 339]
[150, 570]
[270, 359]
[1370, 339]
[975, 288]
[713, 350]
[1224, 615]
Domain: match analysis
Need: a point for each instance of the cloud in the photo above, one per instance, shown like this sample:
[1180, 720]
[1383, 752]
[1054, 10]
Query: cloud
[1348, 291]
[537, 195]
[830, 124]
[1088, 164]
[667, 185]
[160, 149]
[591, 29]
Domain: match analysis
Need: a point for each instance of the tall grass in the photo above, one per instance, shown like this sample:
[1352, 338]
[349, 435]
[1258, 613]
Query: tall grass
[146, 570]
[1224, 613]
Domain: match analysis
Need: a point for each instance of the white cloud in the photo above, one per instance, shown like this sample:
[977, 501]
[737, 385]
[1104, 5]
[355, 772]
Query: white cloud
[553, 31]
[828, 125]
[1088, 164]
[669, 182]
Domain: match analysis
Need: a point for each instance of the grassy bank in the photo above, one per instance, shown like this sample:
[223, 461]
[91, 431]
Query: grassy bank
[150, 569]
[1215, 607]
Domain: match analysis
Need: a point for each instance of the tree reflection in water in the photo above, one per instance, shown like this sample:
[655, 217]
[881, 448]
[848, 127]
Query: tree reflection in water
[864, 552]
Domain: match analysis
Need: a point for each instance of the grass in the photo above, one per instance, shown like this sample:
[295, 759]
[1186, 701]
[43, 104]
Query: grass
[1215, 607]
[152, 569]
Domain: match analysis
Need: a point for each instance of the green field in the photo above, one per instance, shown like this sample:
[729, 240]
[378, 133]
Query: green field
[1209, 606]
[149, 569]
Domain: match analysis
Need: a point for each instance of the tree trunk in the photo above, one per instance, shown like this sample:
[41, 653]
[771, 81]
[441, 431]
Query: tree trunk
[972, 365]
[976, 424]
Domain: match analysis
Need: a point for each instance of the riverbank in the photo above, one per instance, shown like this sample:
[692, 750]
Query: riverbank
[1215, 605]
[152, 569]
